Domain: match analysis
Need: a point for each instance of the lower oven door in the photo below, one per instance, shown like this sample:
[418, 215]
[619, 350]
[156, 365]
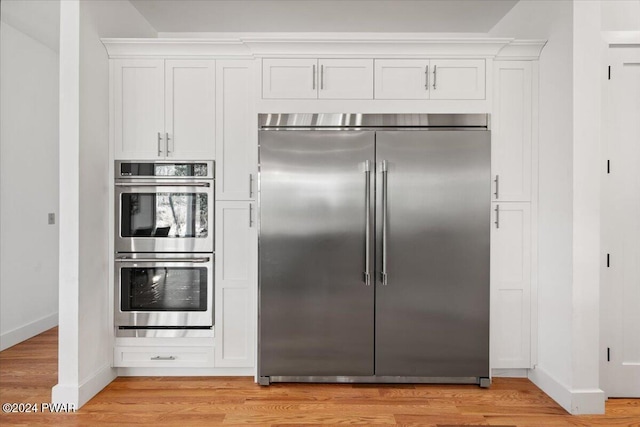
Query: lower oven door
[164, 291]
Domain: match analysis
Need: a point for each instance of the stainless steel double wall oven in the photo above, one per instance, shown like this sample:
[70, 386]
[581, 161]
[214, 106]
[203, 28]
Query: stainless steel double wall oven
[164, 262]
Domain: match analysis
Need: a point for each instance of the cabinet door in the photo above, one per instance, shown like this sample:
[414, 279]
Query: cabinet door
[402, 79]
[346, 79]
[236, 283]
[511, 130]
[138, 106]
[290, 78]
[457, 79]
[511, 285]
[190, 109]
[237, 130]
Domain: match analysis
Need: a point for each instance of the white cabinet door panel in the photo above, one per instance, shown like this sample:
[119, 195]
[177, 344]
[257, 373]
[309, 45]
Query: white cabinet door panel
[457, 79]
[401, 79]
[138, 109]
[346, 79]
[236, 284]
[511, 286]
[237, 130]
[511, 130]
[190, 109]
[289, 78]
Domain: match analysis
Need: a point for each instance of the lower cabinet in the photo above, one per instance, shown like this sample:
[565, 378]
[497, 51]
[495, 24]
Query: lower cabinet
[163, 356]
[511, 286]
[236, 284]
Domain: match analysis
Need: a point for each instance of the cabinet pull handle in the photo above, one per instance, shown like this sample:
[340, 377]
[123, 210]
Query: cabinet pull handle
[426, 78]
[250, 215]
[166, 136]
[159, 144]
[250, 185]
[322, 77]
[497, 221]
[434, 76]
[385, 173]
[313, 80]
[163, 358]
[497, 181]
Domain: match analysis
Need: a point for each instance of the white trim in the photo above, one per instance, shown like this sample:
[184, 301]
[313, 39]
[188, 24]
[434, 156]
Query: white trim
[613, 38]
[333, 45]
[30, 330]
[574, 401]
[80, 394]
[509, 373]
[186, 372]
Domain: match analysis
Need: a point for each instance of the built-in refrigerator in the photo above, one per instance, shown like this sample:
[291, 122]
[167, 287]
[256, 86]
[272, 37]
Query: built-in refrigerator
[374, 248]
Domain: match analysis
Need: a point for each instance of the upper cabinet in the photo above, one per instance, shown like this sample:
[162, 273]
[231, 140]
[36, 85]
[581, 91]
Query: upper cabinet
[317, 79]
[164, 109]
[401, 79]
[451, 79]
[237, 130]
[511, 131]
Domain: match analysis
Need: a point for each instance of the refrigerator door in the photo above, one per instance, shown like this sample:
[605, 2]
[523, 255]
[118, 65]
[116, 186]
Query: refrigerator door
[316, 309]
[432, 315]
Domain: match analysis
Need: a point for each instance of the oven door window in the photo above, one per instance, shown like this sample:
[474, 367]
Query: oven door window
[164, 215]
[163, 289]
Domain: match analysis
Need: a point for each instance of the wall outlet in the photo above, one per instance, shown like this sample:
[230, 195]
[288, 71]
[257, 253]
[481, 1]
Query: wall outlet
[52, 218]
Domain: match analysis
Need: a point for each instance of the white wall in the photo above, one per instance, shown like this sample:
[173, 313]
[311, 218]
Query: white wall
[87, 336]
[620, 15]
[28, 180]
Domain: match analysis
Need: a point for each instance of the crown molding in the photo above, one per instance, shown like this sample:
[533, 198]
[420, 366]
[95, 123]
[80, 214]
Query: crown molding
[314, 45]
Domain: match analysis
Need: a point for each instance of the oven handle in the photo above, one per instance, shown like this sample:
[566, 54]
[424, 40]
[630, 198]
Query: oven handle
[163, 184]
[191, 260]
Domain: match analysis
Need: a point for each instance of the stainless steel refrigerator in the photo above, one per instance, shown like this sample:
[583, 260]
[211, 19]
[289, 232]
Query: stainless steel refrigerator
[374, 248]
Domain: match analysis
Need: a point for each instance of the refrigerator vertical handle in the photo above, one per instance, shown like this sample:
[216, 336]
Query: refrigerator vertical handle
[367, 219]
[383, 273]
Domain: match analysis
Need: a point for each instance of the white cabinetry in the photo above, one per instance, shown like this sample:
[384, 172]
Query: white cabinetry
[236, 284]
[511, 285]
[511, 131]
[164, 109]
[237, 130]
[158, 356]
[451, 79]
[317, 79]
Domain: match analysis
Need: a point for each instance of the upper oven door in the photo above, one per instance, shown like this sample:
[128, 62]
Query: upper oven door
[164, 216]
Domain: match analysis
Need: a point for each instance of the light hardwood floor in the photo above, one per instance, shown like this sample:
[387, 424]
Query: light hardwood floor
[29, 370]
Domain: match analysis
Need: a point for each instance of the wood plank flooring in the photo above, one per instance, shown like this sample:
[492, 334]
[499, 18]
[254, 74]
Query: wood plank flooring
[29, 370]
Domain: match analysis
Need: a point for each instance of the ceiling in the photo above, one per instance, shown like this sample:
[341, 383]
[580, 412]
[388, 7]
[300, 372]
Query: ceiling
[442, 16]
[40, 19]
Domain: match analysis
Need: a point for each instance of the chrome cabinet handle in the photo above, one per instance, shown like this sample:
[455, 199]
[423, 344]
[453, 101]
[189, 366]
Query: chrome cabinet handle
[250, 185]
[434, 76]
[367, 219]
[159, 144]
[322, 77]
[426, 78]
[250, 215]
[163, 358]
[166, 141]
[497, 181]
[385, 173]
[189, 260]
[162, 184]
[313, 80]
[497, 221]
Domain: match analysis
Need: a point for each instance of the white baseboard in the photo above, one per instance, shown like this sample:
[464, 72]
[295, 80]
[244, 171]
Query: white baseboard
[78, 395]
[574, 401]
[30, 330]
[510, 373]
